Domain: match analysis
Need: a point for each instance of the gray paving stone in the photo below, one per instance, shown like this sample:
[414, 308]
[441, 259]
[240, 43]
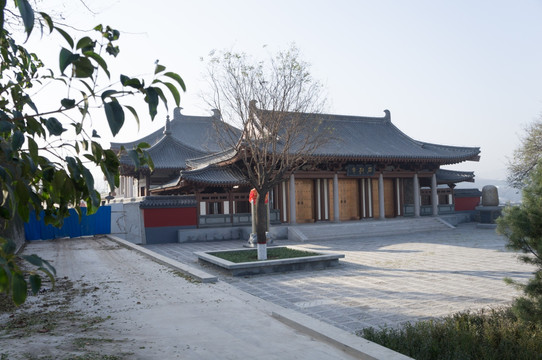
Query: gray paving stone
[385, 280]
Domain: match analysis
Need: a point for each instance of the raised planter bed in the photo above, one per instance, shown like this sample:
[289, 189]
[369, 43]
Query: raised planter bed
[316, 262]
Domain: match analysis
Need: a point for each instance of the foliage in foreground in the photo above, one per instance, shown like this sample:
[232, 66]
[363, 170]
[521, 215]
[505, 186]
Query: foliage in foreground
[12, 277]
[46, 150]
[494, 334]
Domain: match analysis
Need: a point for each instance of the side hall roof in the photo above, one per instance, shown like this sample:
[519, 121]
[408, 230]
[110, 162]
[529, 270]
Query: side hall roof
[215, 175]
[454, 176]
[201, 133]
[167, 153]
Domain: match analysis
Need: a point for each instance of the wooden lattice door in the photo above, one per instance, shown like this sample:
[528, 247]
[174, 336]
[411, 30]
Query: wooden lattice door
[304, 193]
[389, 198]
[348, 199]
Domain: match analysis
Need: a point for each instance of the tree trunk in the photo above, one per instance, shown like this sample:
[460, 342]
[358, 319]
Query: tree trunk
[261, 226]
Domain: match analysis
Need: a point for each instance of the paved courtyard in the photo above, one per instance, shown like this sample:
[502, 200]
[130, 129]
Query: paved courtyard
[385, 280]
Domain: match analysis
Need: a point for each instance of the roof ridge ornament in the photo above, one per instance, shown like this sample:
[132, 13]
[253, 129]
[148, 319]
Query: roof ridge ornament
[167, 127]
[216, 114]
[177, 112]
[387, 115]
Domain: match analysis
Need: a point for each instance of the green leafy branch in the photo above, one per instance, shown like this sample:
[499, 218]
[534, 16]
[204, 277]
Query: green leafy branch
[55, 177]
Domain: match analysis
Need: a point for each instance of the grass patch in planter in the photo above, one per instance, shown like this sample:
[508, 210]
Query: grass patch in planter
[280, 253]
[241, 262]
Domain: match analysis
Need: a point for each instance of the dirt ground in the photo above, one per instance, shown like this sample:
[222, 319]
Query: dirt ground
[77, 319]
[113, 303]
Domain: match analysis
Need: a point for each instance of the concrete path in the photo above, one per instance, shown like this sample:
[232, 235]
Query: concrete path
[385, 280]
[114, 301]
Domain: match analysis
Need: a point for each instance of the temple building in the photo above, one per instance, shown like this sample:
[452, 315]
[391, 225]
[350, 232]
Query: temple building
[370, 169]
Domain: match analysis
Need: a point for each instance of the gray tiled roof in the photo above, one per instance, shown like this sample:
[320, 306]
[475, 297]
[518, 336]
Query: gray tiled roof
[168, 153]
[197, 132]
[462, 193]
[196, 163]
[169, 184]
[376, 138]
[168, 201]
[453, 176]
[215, 175]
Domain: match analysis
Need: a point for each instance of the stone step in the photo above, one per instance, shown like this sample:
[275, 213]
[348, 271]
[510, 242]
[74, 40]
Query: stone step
[364, 228]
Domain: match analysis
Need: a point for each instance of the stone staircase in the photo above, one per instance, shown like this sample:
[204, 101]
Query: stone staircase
[366, 228]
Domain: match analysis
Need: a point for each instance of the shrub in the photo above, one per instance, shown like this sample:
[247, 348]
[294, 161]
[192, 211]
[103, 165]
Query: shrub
[493, 334]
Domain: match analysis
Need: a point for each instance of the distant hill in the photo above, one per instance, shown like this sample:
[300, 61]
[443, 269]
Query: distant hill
[506, 193]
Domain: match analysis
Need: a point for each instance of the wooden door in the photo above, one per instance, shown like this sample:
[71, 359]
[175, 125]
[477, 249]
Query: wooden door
[348, 199]
[304, 193]
[389, 198]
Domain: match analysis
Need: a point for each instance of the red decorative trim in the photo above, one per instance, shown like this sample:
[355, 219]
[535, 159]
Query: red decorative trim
[170, 217]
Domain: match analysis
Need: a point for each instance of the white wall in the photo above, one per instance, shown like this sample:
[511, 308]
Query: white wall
[127, 220]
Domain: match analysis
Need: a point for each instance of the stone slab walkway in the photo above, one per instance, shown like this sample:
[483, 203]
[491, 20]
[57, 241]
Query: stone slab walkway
[385, 280]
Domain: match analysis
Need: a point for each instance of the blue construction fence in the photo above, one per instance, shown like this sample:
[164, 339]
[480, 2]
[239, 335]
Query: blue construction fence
[96, 224]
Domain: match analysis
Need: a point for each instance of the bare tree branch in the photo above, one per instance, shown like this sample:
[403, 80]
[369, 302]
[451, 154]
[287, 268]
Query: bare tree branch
[527, 157]
[269, 101]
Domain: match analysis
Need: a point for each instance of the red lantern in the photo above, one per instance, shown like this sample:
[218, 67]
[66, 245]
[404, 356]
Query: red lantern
[254, 195]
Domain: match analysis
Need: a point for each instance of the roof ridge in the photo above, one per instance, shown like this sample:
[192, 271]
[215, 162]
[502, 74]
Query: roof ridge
[451, 147]
[179, 116]
[338, 117]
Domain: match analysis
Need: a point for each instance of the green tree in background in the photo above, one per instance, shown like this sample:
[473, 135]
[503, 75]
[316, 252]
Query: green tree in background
[522, 225]
[45, 154]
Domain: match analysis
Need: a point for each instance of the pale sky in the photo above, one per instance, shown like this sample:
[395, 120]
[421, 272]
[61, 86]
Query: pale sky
[465, 73]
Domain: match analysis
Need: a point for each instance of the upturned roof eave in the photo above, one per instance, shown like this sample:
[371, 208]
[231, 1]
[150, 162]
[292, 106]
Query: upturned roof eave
[442, 160]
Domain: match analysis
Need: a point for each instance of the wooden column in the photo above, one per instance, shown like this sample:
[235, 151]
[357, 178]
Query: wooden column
[284, 209]
[231, 206]
[370, 197]
[130, 186]
[292, 199]
[326, 199]
[416, 194]
[148, 185]
[381, 209]
[336, 216]
[268, 213]
[398, 194]
[363, 202]
[318, 201]
[434, 195]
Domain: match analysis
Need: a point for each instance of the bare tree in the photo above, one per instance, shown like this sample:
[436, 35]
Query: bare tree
[526, 157]
[275, 102]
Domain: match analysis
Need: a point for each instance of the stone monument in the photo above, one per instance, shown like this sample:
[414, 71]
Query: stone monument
[490, 209]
